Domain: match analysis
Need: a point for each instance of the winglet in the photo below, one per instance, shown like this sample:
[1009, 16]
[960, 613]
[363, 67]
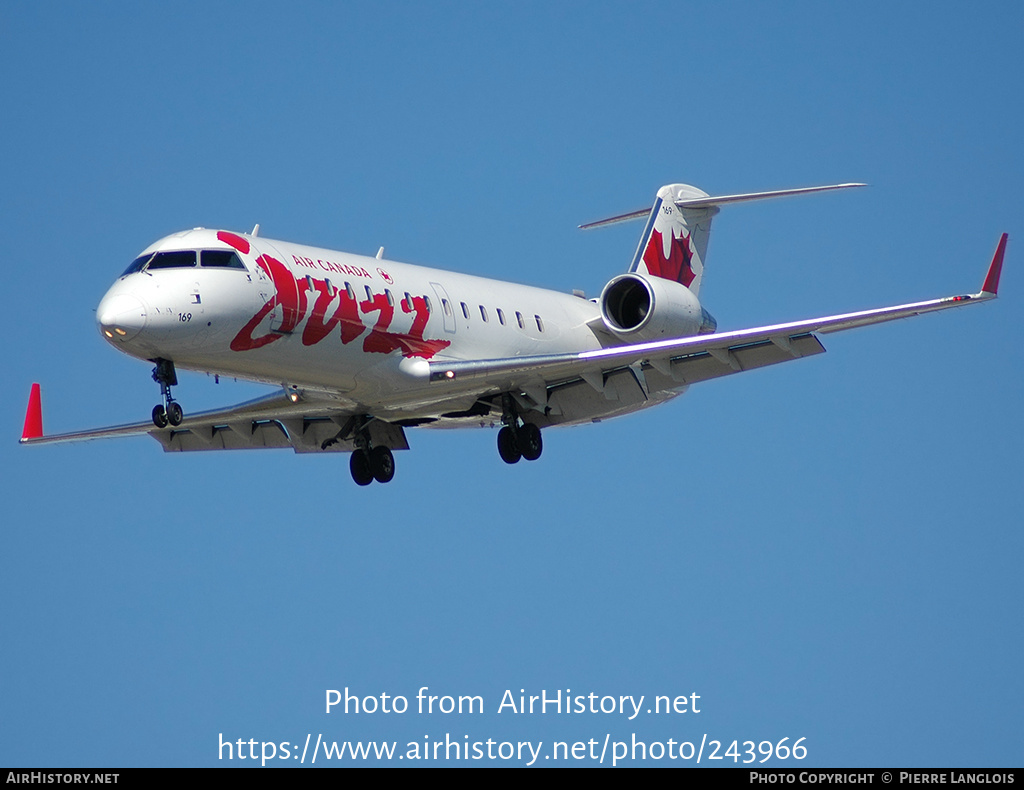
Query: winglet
[991, 285]
[33, 416]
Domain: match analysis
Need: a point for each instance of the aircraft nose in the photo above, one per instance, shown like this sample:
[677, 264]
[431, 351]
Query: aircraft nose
[120, 317]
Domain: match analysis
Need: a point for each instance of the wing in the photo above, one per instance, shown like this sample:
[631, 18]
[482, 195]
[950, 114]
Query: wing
[690, 359]
[272, 421]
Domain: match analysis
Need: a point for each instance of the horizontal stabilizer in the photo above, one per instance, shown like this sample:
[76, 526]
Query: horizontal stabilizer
[721, 200]
[709, 201]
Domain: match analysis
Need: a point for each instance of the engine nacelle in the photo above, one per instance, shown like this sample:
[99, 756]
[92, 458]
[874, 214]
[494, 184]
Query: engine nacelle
[638, 307]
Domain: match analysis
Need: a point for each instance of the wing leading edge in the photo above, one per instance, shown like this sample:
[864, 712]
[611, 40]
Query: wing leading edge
[692, 359]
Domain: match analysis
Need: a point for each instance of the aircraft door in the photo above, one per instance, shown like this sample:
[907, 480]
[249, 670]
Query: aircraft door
[282, 286]
[447, 308]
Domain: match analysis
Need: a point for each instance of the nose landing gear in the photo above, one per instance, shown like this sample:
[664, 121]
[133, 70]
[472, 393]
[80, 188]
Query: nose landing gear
[169, 411]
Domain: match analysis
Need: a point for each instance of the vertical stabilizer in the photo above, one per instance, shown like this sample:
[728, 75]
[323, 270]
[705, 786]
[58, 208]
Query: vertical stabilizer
[675, 240]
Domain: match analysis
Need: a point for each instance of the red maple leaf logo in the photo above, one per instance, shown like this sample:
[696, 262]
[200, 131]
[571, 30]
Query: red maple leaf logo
[677, 265]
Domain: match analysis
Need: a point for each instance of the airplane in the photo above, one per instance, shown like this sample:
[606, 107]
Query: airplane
[362, 348]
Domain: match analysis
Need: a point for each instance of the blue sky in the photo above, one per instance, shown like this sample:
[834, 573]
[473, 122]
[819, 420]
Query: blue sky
[826, 550]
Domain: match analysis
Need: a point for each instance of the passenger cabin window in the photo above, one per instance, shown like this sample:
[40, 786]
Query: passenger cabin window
[519, 318]
[483, 313]
[220, 259]
[540, 324]
[173, 260]
[501, 317]
[465, 309]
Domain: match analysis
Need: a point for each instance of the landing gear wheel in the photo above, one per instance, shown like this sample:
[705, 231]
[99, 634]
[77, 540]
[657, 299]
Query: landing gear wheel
[382, 464]
[174, 413]
[529, 441]
[359, 465]
[508, 448]
[159, 416]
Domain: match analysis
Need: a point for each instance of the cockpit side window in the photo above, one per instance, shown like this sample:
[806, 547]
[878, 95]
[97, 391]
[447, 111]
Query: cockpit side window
[221, 259]
[173, 260]
[137, 264]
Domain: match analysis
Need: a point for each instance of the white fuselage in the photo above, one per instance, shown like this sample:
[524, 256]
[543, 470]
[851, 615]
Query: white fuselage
[332, 323]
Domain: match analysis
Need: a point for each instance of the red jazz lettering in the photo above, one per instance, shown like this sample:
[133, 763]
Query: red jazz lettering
[290, 298]
[346, 315]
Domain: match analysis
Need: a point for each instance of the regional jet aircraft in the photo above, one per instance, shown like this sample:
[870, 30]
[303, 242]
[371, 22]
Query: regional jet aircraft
[361, 349]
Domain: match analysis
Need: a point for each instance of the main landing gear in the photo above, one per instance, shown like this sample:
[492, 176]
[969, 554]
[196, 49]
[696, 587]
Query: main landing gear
[367, 463]
[517, 441]
[169, 411]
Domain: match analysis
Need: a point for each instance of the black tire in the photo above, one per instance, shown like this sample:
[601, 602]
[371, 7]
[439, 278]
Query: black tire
[529, 441]
[359, 465]
[382, 464]
[508, 449]
[174, 413]
[159, 416]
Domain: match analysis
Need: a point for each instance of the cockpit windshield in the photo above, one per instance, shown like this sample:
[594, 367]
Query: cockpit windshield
[173, 260]
[185, 259]
[137, 264]
[220, 259]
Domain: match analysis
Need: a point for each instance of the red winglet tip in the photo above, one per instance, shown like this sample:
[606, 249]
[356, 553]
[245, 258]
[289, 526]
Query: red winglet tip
[991, 285]
[33, 416]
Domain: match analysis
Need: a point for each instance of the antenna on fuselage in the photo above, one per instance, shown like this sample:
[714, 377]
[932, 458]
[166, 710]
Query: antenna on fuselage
[255, 230]
[380, 254]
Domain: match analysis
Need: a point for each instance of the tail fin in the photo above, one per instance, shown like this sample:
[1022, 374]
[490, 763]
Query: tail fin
[675, 242]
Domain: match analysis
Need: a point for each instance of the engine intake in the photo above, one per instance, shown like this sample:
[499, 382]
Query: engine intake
[638, 307]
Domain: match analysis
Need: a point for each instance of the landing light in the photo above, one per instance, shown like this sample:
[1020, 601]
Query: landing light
[294, 397]
[108, 333]
[120, 331]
